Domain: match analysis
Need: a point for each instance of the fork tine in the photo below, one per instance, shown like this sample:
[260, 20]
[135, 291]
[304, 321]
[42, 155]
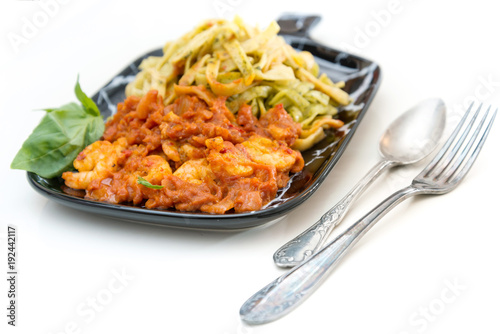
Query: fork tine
[453, 169]
[451, 155]
[432, 165]
[458, 177]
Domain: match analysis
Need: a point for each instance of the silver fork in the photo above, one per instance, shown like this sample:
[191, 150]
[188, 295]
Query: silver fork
[441, 175]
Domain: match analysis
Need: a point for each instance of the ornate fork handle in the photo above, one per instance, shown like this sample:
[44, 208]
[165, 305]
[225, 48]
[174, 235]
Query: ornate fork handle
[286, 292]
[305, 244]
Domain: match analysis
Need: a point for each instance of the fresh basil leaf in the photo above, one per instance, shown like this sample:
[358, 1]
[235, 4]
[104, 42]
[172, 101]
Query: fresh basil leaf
[88, 104]
[55, 143]
[145, 183]
[71, 107]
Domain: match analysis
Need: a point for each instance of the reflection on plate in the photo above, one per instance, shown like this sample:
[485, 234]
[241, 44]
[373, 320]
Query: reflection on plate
[362, 79]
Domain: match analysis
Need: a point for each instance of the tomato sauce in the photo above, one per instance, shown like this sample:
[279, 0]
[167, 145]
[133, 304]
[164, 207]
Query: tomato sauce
[193, 154]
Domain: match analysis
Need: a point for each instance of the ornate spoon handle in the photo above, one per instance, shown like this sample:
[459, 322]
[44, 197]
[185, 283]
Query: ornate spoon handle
[305, 244]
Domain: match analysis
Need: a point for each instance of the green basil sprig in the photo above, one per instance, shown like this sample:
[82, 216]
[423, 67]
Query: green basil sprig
[62, 133]
[145, 183]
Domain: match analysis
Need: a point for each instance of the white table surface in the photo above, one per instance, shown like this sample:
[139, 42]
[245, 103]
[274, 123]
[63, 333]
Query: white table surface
[431, 265]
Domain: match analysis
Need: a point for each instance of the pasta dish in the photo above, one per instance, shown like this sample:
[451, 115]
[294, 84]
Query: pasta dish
[215, 124]
[248, 66]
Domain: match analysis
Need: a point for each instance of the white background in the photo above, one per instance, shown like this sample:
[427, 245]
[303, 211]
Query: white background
[195, 282]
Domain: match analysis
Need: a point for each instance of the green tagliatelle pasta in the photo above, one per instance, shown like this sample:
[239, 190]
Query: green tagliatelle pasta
[249, 66]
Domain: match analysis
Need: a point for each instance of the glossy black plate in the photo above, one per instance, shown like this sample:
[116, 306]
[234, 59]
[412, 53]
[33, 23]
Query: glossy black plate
[362, 79]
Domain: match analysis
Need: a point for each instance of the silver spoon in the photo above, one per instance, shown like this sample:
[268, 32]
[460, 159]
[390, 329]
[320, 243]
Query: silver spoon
[409, 138]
